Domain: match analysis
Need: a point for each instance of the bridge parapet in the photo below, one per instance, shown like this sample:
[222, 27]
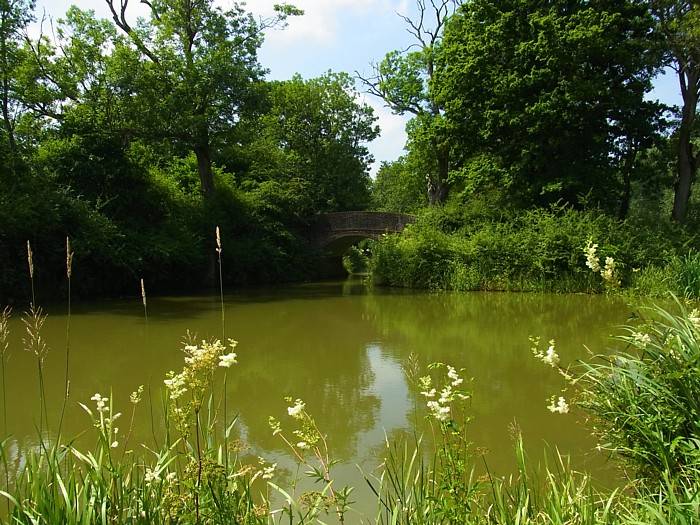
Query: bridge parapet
[350, 226]
[370, 221]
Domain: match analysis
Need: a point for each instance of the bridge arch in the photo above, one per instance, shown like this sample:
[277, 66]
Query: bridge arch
[335, 232]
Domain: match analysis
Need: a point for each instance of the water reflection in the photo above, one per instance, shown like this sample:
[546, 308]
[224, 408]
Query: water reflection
[340, 347]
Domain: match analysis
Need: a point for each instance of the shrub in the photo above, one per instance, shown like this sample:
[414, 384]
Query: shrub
[539, 249]
[646, 401]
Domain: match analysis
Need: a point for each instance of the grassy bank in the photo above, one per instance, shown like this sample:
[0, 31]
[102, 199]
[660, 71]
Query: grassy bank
[457, 248]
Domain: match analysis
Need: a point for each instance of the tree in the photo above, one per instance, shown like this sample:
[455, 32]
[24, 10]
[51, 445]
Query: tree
[679, 25]
[313, 139]
[404, 80]
[195, 74]
[399, 187]
[14, 17]
[546, 100]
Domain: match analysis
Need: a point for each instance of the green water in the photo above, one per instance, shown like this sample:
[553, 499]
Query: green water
[339, 346]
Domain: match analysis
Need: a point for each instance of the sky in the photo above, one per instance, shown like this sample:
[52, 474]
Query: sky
[337, 35]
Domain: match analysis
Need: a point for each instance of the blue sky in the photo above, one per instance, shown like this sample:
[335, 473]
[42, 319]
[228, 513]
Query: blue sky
[338, 35]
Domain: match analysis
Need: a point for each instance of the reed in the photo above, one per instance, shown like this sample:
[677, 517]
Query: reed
[66, 382]
[144, 301]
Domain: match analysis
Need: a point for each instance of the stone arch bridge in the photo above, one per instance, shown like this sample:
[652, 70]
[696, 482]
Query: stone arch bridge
[336, 232]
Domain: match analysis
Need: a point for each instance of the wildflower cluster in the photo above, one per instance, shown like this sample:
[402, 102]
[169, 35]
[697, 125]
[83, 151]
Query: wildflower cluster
[267, 470]
[607, 272]
[694, 318]
[135, 397]
[307, 434]
[592, 261]
[551, 357]
[104, 419]
[641, 340]
[201, 360]
[441, 398]
[558, 406]
[310, 448]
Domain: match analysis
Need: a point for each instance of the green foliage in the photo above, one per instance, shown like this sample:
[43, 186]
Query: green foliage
[484, 247]
[547, 100]
[647, 401]
[355, 260]
[312, 142]
[399, 187]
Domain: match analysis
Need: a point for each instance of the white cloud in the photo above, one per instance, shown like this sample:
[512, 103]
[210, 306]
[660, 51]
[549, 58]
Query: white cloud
[322, 18]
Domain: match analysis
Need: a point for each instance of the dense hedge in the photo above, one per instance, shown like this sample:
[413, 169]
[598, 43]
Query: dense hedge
[457, 248]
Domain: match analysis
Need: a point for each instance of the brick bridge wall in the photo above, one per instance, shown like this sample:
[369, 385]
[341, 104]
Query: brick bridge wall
[332, 226]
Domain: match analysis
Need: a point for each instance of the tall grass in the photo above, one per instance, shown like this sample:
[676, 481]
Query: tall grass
[646, 400]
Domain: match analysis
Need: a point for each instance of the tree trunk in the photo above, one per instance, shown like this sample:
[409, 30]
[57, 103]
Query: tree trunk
[206, 179]
[437, 186]
[686, 157]
[626, 194]
[206, 174]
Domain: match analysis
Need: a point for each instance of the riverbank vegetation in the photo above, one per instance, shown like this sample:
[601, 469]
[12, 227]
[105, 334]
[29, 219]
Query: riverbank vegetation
[534, 132]
[481, 247]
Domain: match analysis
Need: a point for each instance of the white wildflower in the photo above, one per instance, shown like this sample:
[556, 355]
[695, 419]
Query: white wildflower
[558, 407]
[454, 376]
[429, 393]
[641, 339]
[438, 411]
[227, 360]
[269, 472]
[135, 396]
[170, 477]
[175, 384]
[551, 357]
[303, 445]
[297, 411]
[152, 476]
[114, 444]
[608, 273]
[592, 260]
[446, 394]
[101, 402]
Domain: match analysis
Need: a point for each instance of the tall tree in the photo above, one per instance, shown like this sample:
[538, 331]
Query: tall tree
[398, 187]
[14, 17]
[313, 138]
[546, 99]
[197, 71]
[404, 80]
[679, 24]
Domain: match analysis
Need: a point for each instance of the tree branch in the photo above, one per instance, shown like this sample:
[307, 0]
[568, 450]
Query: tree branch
[121, 22]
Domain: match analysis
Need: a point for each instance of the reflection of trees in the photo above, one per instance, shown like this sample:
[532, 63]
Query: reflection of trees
[487, 334]
[312, 342]
[315, 351]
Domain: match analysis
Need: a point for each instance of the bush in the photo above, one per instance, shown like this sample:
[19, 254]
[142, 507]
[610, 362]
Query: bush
[355, 261]
[539, 249]
[646, 401]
